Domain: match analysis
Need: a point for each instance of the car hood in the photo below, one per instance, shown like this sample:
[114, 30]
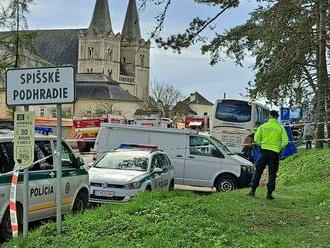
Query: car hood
[241, 160]
[112, 176]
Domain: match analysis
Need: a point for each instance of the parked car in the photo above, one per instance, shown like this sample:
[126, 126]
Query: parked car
[198, 159]
[121, 174]
[42, 181]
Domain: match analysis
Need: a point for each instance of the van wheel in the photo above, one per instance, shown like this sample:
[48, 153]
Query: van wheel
[171, 187]
[226, 183]
[81, 203]
[148, 188]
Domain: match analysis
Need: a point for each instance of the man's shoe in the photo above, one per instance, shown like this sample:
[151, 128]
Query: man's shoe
[270, 197]
[252, 193]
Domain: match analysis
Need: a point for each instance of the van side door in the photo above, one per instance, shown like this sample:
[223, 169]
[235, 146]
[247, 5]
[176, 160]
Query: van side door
[203, 162]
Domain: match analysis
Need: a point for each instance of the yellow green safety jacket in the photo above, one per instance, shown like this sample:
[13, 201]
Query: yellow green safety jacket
[271, 136]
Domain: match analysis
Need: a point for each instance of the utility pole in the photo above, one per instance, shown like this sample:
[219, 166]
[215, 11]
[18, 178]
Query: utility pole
[17, 34]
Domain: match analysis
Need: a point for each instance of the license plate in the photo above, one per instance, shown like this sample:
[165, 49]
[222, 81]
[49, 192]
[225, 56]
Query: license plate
[103, 193]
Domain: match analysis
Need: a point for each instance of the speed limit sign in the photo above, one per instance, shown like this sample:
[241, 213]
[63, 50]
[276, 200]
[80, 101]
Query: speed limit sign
[24, 139]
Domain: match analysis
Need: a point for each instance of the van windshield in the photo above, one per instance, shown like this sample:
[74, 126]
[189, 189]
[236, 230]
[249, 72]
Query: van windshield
[223, 146]
[123, 161]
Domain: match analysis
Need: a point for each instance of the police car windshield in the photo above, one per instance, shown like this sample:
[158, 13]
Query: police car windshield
[124, 161]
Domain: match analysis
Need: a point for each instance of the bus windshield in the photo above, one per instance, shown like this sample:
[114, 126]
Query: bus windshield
[233, 111]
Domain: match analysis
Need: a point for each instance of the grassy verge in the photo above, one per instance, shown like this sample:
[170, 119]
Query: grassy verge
[299, 217]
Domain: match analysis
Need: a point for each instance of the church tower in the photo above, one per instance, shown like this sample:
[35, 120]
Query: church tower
[99, 47]
[134, 54]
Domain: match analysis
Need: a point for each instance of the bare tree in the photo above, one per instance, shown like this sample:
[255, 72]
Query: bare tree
[106, 107]
[165, 95]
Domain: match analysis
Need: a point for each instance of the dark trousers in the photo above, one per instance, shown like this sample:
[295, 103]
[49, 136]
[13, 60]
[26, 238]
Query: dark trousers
[271, 159]
[308, 140]
[308, 145]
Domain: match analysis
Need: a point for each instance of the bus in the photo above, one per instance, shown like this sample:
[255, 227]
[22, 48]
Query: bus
[233, 120]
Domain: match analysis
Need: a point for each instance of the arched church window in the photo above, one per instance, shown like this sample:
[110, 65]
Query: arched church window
[124, 60]
[110, 73]
[110, 54]
[142, 60]
[88, 70]
[90, 52]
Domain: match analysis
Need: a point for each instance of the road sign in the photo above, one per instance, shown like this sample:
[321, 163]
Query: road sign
[37, 86]
[24, 139]
[285, 114]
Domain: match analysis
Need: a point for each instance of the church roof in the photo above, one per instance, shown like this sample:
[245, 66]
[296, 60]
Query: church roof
[183, 108]
[101, 17]
[59, 47]
[131, 29]
[94, 86]
[196, 98]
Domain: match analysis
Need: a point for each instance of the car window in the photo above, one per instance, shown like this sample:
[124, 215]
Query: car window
[7, 162]
[68, 158]
[168, 160]
[162, 162]
[154, 162]
[203, 147]
[43, 154]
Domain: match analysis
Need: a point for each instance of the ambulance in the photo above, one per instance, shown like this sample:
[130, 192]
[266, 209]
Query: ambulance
[42, 181]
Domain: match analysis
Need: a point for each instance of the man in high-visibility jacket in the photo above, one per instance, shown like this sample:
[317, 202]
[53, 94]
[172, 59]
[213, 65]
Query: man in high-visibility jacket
[272, 138]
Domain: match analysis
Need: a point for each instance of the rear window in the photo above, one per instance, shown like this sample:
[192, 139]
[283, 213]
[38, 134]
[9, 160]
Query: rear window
[233, 111]
[124, 161]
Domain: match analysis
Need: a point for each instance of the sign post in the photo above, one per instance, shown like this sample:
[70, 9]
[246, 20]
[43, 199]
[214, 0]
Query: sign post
[42, 86]
[59, 169]
[24, 155]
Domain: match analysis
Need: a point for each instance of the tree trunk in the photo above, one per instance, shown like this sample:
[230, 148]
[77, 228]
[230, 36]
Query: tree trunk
[322, 74]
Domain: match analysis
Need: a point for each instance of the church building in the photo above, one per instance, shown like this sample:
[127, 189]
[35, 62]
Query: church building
[112, 68]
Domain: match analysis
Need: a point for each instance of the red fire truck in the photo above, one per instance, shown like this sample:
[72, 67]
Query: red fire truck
[86, 130]
[196, 122]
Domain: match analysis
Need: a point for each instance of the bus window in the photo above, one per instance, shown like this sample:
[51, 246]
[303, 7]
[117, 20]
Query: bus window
[262, 115]
[233, 111]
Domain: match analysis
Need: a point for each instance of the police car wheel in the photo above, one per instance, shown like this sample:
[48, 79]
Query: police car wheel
[226, 183]
[171, 187]
[81, 203]
[5, 227]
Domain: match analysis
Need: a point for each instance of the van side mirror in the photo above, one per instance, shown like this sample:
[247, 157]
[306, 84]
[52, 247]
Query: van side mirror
[157, 171]
[79, 162]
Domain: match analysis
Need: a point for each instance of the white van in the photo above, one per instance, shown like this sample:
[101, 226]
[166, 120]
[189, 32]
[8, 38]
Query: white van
[42, 181]
[198, 159]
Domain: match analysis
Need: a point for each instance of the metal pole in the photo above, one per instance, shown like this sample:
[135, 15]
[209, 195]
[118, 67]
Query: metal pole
[59, 169]
[25, 196]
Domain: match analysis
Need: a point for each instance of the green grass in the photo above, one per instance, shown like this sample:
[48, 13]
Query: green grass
[299, 217]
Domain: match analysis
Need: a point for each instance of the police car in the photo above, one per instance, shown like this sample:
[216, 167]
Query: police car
[42, 181]
[124, 172]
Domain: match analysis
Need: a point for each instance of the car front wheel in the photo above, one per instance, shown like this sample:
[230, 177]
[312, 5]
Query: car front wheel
[80, 203]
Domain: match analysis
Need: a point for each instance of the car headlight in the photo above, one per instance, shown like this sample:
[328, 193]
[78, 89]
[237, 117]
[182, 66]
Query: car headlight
[248, 168]
[135, 185]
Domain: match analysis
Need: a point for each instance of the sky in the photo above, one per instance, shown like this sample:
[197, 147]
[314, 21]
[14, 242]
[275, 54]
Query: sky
[189, 71]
